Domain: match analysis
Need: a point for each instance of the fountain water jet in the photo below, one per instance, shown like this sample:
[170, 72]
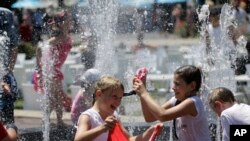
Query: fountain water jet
[104, 14]
[216, 59]
[103, 19]
[3, 39]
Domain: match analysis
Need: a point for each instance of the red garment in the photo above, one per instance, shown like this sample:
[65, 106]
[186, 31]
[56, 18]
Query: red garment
[117, 134]
[59, 54]
[36, 85]
[26, 32]
[155, 133]
[3, 132]
[56, 55]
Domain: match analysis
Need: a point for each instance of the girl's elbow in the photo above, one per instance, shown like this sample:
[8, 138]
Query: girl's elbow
[149, 119]
[161, 117]
[162, 120]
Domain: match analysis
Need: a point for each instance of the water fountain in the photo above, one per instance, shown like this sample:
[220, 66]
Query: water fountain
[103, 19]
[3, 39]
[217, 61]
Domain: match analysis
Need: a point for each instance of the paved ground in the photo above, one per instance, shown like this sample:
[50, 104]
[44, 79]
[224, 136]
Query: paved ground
[32, 119]
[155, 39]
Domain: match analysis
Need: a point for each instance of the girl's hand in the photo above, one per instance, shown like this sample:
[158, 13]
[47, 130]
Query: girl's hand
[109, 123]
[139, 87]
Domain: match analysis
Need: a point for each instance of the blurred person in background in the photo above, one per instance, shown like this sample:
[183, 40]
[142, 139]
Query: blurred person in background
[51, 55]
[84, 96]
[25, 29]
[37, 24]
[9, 48]
[241, 17]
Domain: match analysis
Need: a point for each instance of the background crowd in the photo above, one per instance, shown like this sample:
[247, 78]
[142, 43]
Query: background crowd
[179, 19]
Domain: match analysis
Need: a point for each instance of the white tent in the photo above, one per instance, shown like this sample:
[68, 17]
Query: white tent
[30, 4]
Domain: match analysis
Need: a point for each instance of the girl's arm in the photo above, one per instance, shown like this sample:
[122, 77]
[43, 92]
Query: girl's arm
[146, 136]
[12, 135]
[187, 107]
[148, 115]
[84, 131]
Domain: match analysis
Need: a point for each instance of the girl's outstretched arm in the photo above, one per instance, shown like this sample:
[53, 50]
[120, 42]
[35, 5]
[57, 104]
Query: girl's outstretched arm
[187, 107]
[150, 134]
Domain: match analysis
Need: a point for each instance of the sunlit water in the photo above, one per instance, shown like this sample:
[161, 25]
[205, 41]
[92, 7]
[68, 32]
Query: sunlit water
[218, 61]
[47, 71]
[103, 19]
[3, 40]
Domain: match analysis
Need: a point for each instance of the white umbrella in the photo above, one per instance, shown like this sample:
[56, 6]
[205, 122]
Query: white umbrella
[170, 1]
[137, 3]
[83, 3]
[29, 4]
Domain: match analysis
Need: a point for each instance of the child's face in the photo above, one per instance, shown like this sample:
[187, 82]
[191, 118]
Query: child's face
[111, 100]
[59, 24]
[181, 88]
[218, 107]
[215, 109]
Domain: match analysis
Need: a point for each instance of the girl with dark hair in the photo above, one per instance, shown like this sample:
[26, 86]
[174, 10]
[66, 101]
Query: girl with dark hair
[185, 108]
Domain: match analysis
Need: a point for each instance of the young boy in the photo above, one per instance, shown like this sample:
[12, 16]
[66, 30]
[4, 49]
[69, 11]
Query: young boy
[223, 103]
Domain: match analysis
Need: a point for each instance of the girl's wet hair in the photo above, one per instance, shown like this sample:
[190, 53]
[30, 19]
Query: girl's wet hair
[58, 17]
[190, 73]
[107, 82]
[221, 94]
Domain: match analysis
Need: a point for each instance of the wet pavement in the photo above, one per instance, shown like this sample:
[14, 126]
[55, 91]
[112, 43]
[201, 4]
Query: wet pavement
[33, 119]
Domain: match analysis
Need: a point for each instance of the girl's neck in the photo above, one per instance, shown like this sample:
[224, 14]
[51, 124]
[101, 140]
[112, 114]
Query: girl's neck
[190, 94]
[97, 108]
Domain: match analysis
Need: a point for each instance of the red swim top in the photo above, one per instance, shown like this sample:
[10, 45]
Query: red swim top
[58, 54]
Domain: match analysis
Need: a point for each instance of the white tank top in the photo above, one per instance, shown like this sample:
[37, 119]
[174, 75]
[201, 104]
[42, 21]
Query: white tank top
[189, 128]
[96, 120]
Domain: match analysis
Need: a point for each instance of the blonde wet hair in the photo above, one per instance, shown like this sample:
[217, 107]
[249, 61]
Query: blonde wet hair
[221, 94]
[107, 82]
